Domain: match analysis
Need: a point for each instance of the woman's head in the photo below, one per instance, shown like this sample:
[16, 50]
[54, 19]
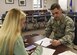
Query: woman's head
[14, 18]
[11, 28]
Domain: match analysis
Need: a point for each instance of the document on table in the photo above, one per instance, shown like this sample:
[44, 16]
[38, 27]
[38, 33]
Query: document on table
[67, 53]
[45, 42]
[48, 51]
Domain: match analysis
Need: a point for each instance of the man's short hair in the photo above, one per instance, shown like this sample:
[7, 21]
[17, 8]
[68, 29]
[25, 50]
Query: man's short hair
[55, 5]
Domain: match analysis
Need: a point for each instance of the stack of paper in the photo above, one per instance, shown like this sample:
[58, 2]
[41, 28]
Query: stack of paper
[67, 53]
[45, 42]
[48, 51]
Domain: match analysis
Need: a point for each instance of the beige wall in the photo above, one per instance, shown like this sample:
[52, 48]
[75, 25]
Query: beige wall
[5, 7]
[29, 5]
[50, 2]
[73, 5]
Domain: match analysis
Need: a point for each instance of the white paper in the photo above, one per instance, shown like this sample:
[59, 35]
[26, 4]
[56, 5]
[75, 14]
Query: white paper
[48, 51]
[67, 53]
[45, 42]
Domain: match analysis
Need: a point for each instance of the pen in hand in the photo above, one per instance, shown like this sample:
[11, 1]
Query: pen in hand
[41, 42]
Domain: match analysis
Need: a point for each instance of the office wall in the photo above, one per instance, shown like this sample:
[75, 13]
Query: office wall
[29, 5]
[67, 8]
[5, 7]
[75, 3]
[50, 2]
[63, 6]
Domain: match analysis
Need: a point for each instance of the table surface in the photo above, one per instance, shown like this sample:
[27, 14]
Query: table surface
[34, 37]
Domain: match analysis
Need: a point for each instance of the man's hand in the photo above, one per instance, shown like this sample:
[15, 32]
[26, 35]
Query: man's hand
[55, 42]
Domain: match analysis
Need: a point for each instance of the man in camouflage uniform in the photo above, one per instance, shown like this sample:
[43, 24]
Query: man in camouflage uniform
[61, 25]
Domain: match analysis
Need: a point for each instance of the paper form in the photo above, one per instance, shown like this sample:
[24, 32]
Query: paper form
[48, 51]
[67, 53]
[45, 42]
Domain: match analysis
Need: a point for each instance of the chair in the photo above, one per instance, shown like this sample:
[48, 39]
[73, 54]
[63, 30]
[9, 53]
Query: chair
[35, 17]
[28, 22]
[41, 21]
[38, 19]
[73, 15]
[75, 39]
[48, 16]
[3, 16]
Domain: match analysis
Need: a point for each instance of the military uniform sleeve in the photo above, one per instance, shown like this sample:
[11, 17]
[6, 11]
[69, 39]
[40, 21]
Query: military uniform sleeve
[48, 29]
[38, 51]
[69, 32]
[19, 48]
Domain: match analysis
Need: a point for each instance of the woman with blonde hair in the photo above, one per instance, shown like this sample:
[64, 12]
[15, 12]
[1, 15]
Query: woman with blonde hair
[11, 42]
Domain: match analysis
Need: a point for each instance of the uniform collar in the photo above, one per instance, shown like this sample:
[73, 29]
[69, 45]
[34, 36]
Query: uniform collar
[62, 18]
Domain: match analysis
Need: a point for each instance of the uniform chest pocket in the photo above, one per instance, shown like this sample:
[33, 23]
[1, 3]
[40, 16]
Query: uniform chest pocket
[62, 26]
[59, 28]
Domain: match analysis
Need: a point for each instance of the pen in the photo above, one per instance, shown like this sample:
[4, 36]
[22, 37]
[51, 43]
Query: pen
[41, 42]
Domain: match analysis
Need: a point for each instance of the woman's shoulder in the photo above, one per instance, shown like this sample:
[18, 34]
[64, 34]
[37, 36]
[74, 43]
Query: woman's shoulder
[19, 39]
[19, 48]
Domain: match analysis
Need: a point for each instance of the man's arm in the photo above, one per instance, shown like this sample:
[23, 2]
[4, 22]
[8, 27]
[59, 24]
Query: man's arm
[48, 29]
[19, 48]
[69, 32]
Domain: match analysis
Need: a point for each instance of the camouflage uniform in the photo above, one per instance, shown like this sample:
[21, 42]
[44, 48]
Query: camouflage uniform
[63, 29]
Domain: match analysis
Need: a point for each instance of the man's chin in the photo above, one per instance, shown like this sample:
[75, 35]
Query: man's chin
[56, 18]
